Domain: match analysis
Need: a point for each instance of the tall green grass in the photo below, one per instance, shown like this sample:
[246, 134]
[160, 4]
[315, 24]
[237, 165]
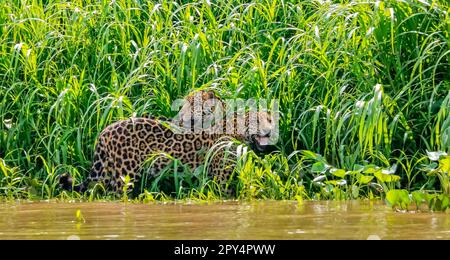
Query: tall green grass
[362, 87]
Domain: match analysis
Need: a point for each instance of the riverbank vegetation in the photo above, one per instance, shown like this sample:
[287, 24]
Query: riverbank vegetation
[363, 90]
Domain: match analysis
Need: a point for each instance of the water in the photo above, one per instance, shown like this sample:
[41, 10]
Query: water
[253, 220]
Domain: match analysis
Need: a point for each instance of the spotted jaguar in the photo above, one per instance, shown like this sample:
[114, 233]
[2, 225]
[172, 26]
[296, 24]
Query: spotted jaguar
[123, 147]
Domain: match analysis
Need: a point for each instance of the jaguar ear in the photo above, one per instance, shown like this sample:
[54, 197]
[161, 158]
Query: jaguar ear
[209, 95]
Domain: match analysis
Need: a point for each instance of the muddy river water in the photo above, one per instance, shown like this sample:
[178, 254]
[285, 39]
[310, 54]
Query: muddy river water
[226, 220]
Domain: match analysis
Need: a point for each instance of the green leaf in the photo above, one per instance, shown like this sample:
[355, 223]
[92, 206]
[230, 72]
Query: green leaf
[319, 167]
[445, 201]
[429, 198]
[310, 155]
[370, 169]
[3, 168]
[338, 172]
[332, 182]
[386, 177]
[398, 198]
[126, 179]
[392, 197]
[444, 164]
[418, 197]
[363, 179]
[358, 167]
[405, 201]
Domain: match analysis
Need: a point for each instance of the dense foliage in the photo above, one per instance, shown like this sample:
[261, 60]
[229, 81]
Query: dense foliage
[363, 87]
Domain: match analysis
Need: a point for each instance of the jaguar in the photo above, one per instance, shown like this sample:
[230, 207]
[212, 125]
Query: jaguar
[123, 147]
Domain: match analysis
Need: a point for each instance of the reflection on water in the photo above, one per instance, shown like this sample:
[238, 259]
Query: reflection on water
[231, 220]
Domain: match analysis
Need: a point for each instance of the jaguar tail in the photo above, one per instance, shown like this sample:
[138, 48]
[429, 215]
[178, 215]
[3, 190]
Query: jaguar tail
[66, 183]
